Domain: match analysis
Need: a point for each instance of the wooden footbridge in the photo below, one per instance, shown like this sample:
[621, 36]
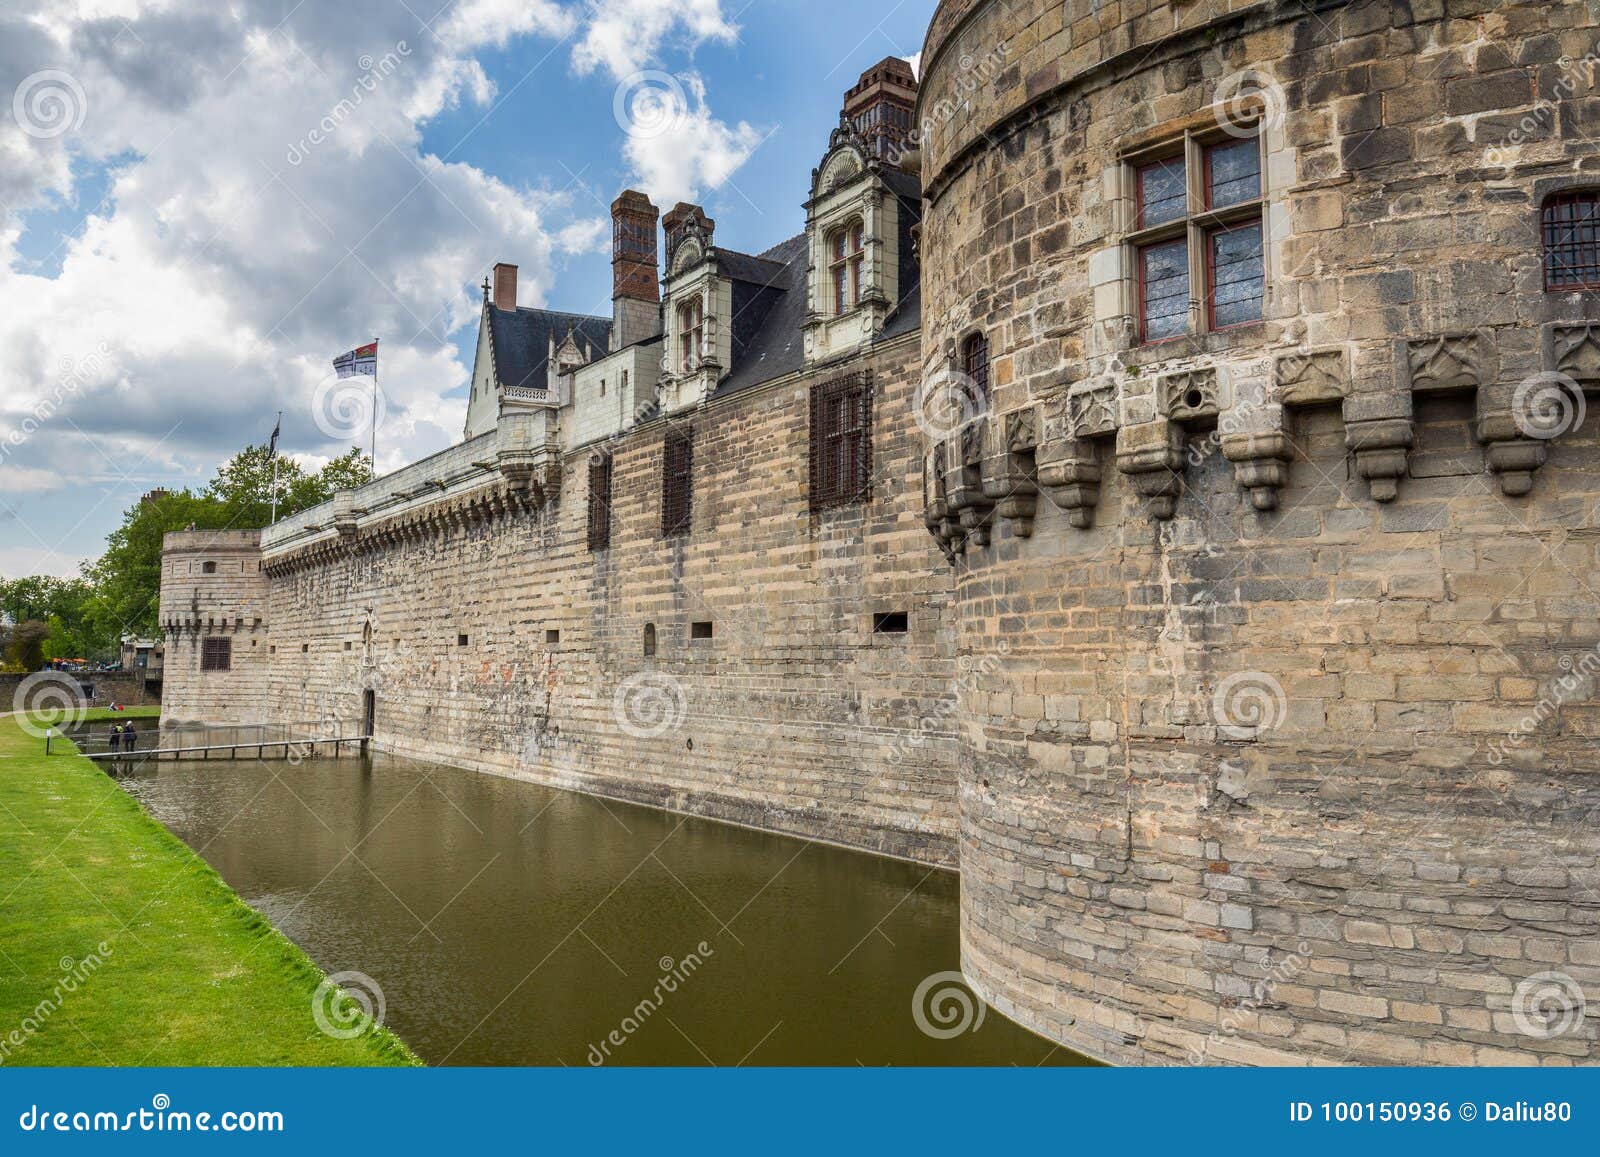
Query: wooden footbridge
[296, 749]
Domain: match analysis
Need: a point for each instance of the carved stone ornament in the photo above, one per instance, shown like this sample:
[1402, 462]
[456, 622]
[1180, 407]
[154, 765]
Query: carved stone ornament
[1452, 362]
[1305, 379]
[1190, 394]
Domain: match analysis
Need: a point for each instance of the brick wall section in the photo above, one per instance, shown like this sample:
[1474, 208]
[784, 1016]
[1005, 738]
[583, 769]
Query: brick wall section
[230, 603]
[794, 717]
[1372, 877]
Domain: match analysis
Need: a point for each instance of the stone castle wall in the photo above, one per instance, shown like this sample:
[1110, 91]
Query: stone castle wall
[1290, 755]
[794, 716]
[212, 586]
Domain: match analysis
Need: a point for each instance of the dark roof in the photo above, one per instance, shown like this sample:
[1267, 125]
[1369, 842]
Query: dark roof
[521, 340]
[774, 345]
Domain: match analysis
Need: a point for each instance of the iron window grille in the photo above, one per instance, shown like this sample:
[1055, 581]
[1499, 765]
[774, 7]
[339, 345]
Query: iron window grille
[677, 476]
[600, 502]
[1572, 242]
[841, 441]
[975, 362]
[216, 654]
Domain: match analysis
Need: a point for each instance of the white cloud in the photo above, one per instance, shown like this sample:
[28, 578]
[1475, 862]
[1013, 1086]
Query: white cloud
[624, 36]
[676, 147]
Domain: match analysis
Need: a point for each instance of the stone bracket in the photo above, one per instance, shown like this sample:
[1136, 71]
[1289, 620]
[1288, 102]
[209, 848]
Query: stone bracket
[1511, 455]
[1151, 454]
[1260, 464]
[1074, 481]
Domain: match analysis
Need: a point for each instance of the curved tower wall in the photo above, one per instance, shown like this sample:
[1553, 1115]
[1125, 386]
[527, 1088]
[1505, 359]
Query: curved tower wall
[1280, 747]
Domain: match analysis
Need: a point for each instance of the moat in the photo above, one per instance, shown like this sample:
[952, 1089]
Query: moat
[507, 923]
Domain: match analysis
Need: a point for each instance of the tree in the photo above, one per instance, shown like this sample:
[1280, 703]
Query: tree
[25, 648]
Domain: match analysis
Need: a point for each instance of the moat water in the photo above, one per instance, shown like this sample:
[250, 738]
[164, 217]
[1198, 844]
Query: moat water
[507, 923]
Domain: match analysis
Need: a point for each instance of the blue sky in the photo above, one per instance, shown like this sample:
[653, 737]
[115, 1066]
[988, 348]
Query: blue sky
[180, 255]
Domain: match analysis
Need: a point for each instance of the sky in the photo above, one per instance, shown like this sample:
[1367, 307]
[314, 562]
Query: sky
[202, 202]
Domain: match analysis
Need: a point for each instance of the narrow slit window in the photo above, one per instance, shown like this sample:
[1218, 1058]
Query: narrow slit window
[649, 640]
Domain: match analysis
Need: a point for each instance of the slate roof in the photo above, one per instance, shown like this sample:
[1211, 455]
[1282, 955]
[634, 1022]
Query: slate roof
[521, 340]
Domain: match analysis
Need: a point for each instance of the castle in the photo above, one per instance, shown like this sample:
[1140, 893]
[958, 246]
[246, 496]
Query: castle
[1156, 484]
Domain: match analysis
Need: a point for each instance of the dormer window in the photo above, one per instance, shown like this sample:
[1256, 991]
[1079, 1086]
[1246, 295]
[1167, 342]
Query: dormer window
[691, 329]
[846, 260]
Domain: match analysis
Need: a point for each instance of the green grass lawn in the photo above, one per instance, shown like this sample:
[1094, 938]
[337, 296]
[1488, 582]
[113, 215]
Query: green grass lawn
[120, 946]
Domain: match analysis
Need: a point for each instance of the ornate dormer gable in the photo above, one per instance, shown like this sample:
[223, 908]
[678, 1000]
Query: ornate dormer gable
[854, 222]
[699, 310]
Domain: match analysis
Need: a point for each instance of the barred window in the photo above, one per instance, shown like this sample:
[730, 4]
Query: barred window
[216, 654]
[677, 470]
[1572, 241]
[1198, 231]
[600, 502]
[841, 441]
[975, 362]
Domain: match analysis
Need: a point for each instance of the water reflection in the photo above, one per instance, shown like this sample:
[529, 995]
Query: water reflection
[507, 923]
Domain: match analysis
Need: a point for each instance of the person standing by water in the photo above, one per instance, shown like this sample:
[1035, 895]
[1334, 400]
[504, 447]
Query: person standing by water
[130, 737]
[116, 737]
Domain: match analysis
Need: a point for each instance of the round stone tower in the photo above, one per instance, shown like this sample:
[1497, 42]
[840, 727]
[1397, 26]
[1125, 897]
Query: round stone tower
[1257, 340]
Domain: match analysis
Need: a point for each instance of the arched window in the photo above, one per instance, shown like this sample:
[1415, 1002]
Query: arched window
[975, 361]
[649, 640]
[845, 263]
[1572, 241]
[691, 328]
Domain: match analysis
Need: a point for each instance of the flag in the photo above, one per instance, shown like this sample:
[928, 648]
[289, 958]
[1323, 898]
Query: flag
[361, 360]
[272, 445]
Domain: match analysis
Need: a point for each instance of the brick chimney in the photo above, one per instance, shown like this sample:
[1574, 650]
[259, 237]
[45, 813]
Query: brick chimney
[882, 106]
[505, 286]
[635, 275]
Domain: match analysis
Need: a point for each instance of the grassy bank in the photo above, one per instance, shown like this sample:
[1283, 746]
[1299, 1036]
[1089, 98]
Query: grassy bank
[120, 946]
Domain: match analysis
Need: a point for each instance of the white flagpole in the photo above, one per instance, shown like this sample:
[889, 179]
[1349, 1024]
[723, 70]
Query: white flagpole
[374, 410]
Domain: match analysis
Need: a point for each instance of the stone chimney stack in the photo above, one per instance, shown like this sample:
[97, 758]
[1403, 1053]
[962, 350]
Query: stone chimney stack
[505, 286]
[635, 275]
[882, 107]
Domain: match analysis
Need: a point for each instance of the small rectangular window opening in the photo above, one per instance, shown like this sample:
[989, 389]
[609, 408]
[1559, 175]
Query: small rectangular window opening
[348, 644]
[552, 636]
[461, 640]
[208, 568]
[890, 623]
[699, 630]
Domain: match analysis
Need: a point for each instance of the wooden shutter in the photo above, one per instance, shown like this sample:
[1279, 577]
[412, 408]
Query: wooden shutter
[677, 470]
[600, 502]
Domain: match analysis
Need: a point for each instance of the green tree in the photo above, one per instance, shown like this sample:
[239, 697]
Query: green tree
[25, 649]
